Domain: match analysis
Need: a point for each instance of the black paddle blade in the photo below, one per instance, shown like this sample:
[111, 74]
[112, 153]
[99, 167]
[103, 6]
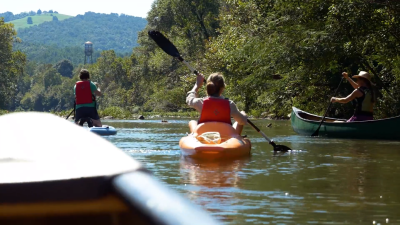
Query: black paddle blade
[279, 148]
[315, 133]
[164, 44]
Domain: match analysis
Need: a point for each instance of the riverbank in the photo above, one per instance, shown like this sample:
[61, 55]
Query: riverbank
[120, 113]
[2, 112]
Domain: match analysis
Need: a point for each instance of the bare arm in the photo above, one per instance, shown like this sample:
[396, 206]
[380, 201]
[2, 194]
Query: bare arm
[351, 81]
[239, 117]
[192, 98]
[98, 91]
[355, 94]
[199, 83]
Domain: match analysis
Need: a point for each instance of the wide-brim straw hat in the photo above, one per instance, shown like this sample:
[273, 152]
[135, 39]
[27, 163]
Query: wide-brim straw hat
[364, 75]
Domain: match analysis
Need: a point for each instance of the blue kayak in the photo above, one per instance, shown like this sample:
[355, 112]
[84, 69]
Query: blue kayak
[103, 131]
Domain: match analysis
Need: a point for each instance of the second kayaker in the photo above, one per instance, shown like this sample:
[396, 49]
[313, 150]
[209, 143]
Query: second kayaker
[214, 107]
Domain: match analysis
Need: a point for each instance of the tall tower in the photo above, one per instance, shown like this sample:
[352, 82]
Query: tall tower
[88, 52]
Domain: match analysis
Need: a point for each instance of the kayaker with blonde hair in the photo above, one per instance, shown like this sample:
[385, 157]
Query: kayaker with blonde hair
[363, 95]
[214, 107]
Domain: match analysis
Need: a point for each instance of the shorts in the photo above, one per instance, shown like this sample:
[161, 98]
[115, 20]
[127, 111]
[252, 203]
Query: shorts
[83, 112]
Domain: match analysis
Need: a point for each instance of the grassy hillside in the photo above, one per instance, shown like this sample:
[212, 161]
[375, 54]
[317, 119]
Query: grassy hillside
[37, 19]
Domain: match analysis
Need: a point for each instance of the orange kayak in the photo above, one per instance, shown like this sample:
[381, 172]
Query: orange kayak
[232, 145]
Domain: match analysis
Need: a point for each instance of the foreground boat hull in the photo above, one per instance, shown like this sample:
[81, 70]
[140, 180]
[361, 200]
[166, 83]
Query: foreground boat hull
[306, 124]
[232, 146]
[46, 178]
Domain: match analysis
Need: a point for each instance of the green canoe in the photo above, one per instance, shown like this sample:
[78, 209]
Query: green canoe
[305, 123]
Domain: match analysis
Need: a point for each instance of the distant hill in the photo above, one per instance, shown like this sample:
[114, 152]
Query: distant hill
[106, 31]
[37, 20]
[51, 41]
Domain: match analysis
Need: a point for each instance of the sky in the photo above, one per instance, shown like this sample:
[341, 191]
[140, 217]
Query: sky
[74, 7]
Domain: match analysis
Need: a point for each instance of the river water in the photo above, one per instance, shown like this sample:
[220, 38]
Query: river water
[325, 181]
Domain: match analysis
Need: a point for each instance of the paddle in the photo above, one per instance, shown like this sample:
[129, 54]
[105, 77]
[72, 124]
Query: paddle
[326, 112]
[281, 148]
[171, 50]
[73, 111]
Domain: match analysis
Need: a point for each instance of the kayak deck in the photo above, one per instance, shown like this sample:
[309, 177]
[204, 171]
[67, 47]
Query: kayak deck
[232, 144]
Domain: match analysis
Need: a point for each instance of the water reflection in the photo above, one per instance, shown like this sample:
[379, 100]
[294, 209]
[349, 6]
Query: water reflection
[211, 173]
[214, 183]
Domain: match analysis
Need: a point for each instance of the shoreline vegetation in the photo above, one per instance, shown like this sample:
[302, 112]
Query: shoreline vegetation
[273, 54]
[120, 113]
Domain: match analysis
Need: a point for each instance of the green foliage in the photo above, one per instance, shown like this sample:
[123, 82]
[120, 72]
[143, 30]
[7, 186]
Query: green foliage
[115, 112]
[65, 39]
[307, 43]
[11, 65]
[65, 68]
[55, 18]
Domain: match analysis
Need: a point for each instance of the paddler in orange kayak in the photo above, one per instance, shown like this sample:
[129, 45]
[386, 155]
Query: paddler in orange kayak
[214, 107]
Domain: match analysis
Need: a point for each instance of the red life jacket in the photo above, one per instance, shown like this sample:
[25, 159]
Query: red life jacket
[215, 110]
[83, 94]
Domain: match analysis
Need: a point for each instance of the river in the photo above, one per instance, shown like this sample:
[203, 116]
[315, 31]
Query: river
[324, 181]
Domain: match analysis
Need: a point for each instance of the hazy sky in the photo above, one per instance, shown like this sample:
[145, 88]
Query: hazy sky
[75, 7]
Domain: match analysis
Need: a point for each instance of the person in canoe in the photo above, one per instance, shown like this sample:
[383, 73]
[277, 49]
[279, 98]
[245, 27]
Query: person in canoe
[214, 107]
[363, 96]
[85, 91]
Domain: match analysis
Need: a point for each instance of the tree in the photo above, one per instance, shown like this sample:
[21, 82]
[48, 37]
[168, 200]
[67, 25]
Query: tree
[64, 68]
[50, 11]
[39, 12]
[51, 78]
[56, 12]
[11, 64]
[55, 18]
[29, 20]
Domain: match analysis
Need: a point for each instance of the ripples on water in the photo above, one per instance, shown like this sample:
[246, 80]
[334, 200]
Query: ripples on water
[324, 181]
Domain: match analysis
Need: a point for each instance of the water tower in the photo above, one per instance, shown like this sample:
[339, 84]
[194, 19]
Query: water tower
[88, 52]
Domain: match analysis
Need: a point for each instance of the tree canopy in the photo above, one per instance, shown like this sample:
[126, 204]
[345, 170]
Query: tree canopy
[11, 65]
[9, 16]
